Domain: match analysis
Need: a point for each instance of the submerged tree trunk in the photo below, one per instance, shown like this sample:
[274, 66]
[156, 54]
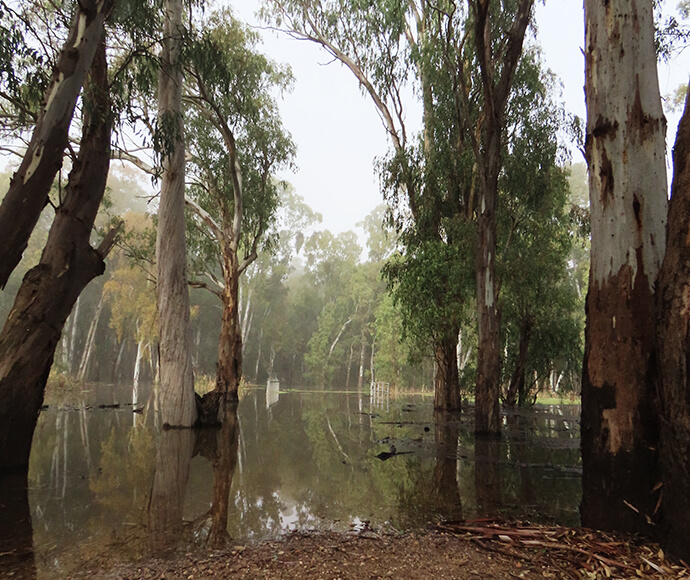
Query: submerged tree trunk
[625, 149]
[673, 340]
[446, 383]
[30, 185]
[177, 381]
[49, 291]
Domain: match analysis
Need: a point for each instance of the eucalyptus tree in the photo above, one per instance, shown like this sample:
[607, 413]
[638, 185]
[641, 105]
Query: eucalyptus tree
[625, 149]
[178, 406]
[236, 144]
[394, 44]
[49, 290]
[536, 234]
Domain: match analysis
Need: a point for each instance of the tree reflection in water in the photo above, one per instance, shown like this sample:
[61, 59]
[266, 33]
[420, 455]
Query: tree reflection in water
[173, 460]
[220, 447]
[445, 485]
[487, 474]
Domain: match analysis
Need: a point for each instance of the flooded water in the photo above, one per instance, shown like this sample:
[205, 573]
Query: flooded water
[106, 485]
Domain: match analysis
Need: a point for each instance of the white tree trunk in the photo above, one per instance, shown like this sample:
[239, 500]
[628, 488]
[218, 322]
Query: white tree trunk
[625, 150]
[87, 355]
[177, 381]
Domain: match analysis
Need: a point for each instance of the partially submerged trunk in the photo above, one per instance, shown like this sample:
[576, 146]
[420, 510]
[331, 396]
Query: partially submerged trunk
[211, 408]
[30, 185]
[625, 149]
[177, 381]
[673, 341]
[229, 370]
[446, 382]
[49, 290]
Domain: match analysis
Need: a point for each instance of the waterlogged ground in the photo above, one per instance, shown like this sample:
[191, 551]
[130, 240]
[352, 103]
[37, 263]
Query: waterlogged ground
[107, 487]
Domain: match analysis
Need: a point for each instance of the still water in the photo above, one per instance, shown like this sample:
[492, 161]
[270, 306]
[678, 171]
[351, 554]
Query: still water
[106, 485]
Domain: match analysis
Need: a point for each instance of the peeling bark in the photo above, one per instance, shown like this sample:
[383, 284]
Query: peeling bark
[625, 148]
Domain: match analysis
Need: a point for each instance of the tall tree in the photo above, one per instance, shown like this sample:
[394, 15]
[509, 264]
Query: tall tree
[625, 149]
[178, 407]
[498, 52]
[237, 143]
[49, 290]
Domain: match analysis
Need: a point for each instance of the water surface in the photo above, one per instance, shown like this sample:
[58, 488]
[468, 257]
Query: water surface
[105, 484]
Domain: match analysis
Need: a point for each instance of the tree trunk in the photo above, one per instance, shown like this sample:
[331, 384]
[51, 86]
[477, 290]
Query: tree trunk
[673, 340]
[177, 380]
[362, 353]
[496, 85]
[49, 291]
[87, 355]
[30, 185]
[446, 384]
[516, 388]
[73, 337]
[625, 150]
[229, 370]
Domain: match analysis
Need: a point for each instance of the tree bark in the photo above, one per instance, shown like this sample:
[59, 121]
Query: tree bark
[446, 383]
[229, 370]
[673, 340]
[49, 291]
[516, 389]
[30, 185]
[177, 381]
[625, 149]
[496, 85]
[90, 341]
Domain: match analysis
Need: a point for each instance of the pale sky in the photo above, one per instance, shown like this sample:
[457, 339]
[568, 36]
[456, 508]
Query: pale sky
[339, 134]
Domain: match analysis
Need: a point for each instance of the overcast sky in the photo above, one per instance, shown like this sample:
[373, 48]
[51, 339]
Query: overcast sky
[339, 134]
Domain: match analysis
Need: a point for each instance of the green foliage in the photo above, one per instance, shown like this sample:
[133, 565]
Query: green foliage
[232, 115]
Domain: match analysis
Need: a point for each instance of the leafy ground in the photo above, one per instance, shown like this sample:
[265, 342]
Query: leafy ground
[461, 551]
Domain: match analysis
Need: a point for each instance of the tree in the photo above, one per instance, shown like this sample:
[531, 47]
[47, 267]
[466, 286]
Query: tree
[383, 48]
[625, 152]
[498, 50]
[237, 142]
[178, 406]
[49, 290]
